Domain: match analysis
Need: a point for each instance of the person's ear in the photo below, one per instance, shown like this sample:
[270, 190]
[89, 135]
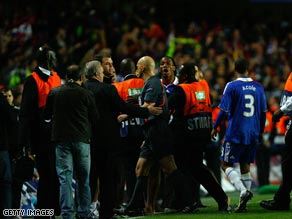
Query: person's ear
[173, 68]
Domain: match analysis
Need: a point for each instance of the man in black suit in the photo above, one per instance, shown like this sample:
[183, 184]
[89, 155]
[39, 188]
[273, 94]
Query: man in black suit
[105, 140]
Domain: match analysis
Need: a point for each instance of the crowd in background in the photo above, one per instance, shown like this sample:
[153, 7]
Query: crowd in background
[80, 32]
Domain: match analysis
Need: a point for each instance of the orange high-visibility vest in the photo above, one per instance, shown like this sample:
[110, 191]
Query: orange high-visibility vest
[197, 97]
[44, 87]
[129, 87]
[288, 84]
[287, 92]
[269, 122]
[281, 125]
[197, 108]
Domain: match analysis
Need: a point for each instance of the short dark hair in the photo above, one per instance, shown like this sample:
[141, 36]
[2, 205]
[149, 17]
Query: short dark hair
[172, 59]
[188, 69]
[102, 55]
[6, 89]
[46, 57]
[127, 66]
[73, 72]
[241, 65]
[42, 55]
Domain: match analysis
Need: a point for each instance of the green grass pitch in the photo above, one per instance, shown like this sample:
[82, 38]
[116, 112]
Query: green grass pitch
[254, 210]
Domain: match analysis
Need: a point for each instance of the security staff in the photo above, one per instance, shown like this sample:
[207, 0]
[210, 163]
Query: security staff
[281, 200]
[130, 129]
[34, 132]
[191, 125]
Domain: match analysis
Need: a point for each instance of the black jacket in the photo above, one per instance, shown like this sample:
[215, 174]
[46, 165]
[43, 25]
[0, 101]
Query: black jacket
[32, 130]
[73, 113]
[110, 104]
[6, 119]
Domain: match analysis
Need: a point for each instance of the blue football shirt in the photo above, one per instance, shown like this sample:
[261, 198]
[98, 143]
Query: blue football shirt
[244, 100]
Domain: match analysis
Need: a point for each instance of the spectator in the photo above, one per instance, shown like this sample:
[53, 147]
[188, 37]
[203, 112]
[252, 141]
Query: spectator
[15, 152]
[5, 177]
[109, 69]
[72, 111]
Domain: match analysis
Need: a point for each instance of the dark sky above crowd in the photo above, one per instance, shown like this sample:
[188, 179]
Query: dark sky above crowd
[223, 10]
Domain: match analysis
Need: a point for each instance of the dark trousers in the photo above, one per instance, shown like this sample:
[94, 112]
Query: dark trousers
[283, 194]
[94, 170]
[48, 185]
[189, 158]
[5, 182]
[16, 192]
[106, 166]
[212, 155]
[130, 154]
[263, 165]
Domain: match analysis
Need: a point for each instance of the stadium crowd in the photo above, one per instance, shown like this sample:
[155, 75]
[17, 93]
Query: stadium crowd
[80, 34]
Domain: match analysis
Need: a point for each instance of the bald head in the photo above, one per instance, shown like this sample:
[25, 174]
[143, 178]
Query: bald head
[145, 67]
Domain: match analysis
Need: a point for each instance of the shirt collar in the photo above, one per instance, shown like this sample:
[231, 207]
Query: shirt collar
[175, 82]
[45, 71]
[244, 79]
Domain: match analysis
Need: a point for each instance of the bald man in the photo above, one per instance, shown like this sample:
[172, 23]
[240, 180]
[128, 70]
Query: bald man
[157, 146]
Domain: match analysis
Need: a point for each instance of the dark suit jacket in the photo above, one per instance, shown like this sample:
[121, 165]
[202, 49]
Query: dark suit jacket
[109, 105]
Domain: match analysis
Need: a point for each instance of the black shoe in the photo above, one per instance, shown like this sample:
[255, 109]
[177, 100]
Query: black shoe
[200, 204]
[132, 212]
[225, 206]
[190, 209]
[243, 200]
[273, 205]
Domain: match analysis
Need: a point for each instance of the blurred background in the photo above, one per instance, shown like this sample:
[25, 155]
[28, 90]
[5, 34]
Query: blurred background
[211, 33]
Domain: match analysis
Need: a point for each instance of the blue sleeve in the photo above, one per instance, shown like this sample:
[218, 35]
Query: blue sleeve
[222, 116]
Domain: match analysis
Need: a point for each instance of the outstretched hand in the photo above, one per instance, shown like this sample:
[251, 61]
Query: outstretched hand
[122, 117]
[213, 134]
[133, 99]
[277, 116]
[155, 110]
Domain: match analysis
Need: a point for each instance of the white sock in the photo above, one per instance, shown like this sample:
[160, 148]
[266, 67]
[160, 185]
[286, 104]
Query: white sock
[93, 205]
[234, 178]
[246, 180]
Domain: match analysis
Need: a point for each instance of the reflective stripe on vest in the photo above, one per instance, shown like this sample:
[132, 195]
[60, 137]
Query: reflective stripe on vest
[197, 97]
[44, 87]
[287, 93]
[129, 87]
